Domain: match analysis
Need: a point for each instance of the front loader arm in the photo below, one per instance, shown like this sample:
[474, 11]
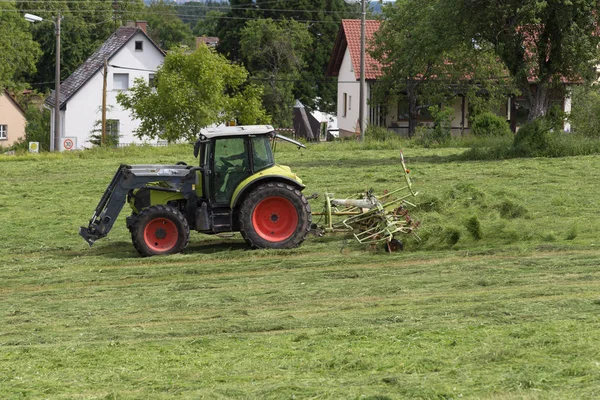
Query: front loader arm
[126, 178]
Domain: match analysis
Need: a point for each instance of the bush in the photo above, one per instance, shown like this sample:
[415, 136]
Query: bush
[489, 124]
[585, 111]
[96, 136]
[37, 129]
[440, 133]
[380, 134]
[533, 139]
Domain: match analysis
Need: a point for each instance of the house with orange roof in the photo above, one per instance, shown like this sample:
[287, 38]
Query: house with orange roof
[12, 120]
[345, 65]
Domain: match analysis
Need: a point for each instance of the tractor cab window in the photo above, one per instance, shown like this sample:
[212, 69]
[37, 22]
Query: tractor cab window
[231, 167]
[261, 153]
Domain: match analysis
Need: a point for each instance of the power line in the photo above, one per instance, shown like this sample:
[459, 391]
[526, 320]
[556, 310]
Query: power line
[180, 16]
[148, 9]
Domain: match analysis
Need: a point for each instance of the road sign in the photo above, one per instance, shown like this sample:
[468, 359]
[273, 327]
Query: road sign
[69, 143]
[34, 147]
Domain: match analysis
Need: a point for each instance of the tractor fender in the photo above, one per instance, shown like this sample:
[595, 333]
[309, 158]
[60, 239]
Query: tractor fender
[267, 178]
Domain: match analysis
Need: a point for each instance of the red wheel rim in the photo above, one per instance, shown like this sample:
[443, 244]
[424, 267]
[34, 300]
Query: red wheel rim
[161, 234]
[275, 219]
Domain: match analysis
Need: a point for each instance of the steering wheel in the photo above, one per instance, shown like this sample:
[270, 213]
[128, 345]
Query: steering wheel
[226, 162]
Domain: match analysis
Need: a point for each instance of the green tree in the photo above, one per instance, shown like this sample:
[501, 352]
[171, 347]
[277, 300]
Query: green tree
[209, 24]
[541, 43]
[426, 62]
[199, 14]
[166, 28]
[323, 18]
[585, 112]
[86, 24]
[274, 53]
[193, 91]
[18, 51]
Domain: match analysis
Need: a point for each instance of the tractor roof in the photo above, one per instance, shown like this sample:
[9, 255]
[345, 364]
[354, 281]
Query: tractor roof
[241, 130]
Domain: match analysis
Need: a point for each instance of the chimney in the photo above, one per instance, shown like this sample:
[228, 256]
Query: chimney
[143, 25]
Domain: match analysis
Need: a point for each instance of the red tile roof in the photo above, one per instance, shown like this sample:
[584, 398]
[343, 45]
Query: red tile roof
[351, 29]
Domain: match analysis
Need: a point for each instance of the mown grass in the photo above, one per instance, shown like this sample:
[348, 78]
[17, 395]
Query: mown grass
[499, 301]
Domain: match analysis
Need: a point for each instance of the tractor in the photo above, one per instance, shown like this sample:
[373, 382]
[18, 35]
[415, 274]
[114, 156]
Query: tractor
[236, 187]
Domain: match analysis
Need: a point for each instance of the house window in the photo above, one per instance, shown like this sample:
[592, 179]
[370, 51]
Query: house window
[152, 80]
[112, 127]
[120, 81]
[3, 132]
[349, 102]
[403, 109]
[139, 45]
[345, 111]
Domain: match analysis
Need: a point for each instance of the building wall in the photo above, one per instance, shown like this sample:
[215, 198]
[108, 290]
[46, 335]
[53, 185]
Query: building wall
[84, 108]
[399, 123]
[347, 84]
[13, 118]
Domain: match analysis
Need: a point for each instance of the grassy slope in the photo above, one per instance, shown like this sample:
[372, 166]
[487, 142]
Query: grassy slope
[513, 315]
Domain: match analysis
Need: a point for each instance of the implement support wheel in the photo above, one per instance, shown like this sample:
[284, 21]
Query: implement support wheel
[160, 230]
[275, 215]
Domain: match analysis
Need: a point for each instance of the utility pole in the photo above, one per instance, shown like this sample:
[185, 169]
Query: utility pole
[56, 141]
[363, 100]
[105, 73]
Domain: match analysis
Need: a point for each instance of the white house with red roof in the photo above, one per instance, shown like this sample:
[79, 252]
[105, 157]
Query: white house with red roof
[130, 54]
[345, 65]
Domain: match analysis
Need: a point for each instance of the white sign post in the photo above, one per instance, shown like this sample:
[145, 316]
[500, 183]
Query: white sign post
[34, 147]
[68, 143]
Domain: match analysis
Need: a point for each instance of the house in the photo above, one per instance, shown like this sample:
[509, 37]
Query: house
[210, 41]
[130, 54]
[12, 120]
[345, 65]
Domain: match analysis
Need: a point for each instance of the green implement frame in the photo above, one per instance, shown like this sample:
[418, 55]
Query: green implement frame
[371, 218]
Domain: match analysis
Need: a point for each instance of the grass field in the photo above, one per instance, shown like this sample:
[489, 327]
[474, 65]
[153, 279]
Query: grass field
[501, 299]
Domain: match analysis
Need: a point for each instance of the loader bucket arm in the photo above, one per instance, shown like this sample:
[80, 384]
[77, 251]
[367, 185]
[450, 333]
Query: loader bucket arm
[125, 179]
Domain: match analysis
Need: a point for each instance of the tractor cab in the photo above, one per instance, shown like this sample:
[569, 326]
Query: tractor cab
[232, 155]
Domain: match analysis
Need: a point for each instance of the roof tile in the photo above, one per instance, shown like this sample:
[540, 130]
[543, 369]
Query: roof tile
[86, 70]
[352, 32]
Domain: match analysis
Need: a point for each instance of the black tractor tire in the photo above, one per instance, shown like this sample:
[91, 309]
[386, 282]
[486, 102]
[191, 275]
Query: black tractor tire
[275, 215]
[160, 230]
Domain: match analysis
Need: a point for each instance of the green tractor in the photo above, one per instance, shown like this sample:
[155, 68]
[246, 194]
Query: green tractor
[237, 187]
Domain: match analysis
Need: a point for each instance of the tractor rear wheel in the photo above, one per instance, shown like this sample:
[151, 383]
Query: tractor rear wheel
[160, 230]
[275, 215]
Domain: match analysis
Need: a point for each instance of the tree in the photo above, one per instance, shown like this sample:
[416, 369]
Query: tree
[193, 91]
[85, 26]
[323, 19]
[426, 62]
[18, 51]
[542, 44]
[274, 53]
[209, 24]
[202, 17]
[585, 114]
[166, 28]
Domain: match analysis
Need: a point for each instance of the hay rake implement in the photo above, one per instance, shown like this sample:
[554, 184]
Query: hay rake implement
[371, 218]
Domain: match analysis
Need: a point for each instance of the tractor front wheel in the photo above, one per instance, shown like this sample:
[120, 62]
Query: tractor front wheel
[275, 215]
[160, 230]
